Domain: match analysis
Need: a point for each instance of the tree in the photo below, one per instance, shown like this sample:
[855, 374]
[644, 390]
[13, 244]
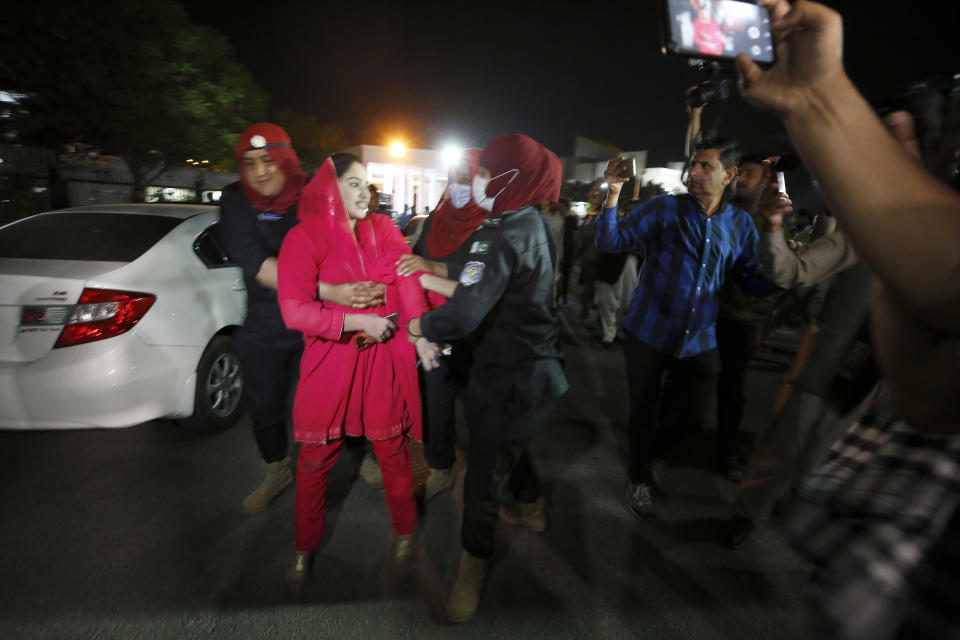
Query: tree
[135, 79]
[313, 140]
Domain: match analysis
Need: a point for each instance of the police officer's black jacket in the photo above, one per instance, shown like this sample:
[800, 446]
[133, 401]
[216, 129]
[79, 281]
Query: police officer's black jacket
[504, 302]
[249, 237]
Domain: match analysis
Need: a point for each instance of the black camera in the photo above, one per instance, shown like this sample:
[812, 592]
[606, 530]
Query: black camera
[716, 88]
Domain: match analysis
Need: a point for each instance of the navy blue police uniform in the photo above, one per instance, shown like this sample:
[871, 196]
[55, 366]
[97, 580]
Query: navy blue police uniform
[269, 352]
[504, 304]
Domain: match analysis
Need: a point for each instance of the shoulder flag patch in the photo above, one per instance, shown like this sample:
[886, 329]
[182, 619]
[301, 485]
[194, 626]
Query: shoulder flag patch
[480, 247]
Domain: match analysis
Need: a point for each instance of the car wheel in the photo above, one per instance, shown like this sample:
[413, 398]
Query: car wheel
[219, 400]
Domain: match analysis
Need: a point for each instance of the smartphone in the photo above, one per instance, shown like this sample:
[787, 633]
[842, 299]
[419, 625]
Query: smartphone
[628, 169]
[361, 340]
[781, 183]
[717, 30]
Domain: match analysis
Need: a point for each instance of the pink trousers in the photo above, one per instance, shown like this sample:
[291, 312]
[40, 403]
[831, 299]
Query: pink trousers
[313, 472]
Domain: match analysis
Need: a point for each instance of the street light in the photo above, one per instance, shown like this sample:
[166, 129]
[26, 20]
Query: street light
[450, 154]
[397, 149]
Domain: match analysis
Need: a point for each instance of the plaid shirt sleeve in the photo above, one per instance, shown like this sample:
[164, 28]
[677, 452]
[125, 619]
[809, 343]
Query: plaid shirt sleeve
[630, 232]
[747, 270]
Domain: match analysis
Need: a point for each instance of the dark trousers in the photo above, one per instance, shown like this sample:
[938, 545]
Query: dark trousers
[736, 340]
[499, 459]
[566, 267]
[439, 420]
[693, 388]
[269, 374]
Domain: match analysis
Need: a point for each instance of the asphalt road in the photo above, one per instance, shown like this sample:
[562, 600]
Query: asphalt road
[138, 533]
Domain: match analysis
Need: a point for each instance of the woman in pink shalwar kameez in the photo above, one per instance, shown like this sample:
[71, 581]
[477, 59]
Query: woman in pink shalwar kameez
[345, 390]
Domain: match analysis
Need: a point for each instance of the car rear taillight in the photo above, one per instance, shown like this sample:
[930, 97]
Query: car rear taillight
[99, 314]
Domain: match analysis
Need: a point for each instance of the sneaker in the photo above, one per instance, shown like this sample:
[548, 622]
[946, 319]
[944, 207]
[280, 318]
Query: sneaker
[438, 481]
[279, 476]
[640, 499]
[370, 471]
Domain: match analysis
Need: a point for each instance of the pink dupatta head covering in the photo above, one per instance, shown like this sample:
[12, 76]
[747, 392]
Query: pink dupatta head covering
[322, 211]
[538, 172]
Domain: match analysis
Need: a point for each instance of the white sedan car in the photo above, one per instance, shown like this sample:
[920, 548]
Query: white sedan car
[112, 315]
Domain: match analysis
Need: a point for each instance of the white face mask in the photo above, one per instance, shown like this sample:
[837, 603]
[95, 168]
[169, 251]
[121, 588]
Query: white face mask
[480, 188]
[459, 194]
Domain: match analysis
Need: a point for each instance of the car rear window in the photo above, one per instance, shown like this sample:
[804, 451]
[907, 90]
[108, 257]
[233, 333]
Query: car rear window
[87, 235]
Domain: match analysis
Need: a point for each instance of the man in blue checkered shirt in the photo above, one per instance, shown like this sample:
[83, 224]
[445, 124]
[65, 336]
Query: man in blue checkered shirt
[692, 243]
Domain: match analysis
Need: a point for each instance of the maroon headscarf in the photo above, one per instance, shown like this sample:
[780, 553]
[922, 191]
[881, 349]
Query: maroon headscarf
[264, 135]
[538, 172]
[451, 226]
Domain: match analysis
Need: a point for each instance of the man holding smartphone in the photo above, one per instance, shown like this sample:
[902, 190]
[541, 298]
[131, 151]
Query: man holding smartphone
[692, 243]
[736, 332]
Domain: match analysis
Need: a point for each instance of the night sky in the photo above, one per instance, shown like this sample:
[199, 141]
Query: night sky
[464, 72]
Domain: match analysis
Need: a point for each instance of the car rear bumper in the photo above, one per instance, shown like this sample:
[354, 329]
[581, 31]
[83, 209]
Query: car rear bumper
[118, 382]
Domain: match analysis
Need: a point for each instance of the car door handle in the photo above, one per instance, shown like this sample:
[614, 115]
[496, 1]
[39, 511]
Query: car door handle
[238, 285]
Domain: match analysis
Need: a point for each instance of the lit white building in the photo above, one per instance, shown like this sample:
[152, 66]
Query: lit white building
[670, 178]
[590, 158]
[590, 161]
[411, 177]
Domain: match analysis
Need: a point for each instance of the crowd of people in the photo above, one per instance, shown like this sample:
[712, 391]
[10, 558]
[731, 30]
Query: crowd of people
[385, 337]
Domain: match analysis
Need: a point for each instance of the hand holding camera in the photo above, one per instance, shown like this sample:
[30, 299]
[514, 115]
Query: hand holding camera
[694, 107]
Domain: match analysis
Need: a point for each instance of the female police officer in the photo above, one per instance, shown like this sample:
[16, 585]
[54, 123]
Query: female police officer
[504, 303]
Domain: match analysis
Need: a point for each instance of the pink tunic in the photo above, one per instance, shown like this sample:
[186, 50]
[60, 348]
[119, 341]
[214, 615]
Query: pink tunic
[344, 391]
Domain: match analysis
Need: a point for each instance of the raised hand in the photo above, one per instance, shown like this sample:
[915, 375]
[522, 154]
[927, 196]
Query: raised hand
[615, 174]
[809, 45]
[773, 206]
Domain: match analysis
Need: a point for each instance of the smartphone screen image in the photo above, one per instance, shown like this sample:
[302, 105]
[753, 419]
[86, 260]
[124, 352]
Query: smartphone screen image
[718, 29]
